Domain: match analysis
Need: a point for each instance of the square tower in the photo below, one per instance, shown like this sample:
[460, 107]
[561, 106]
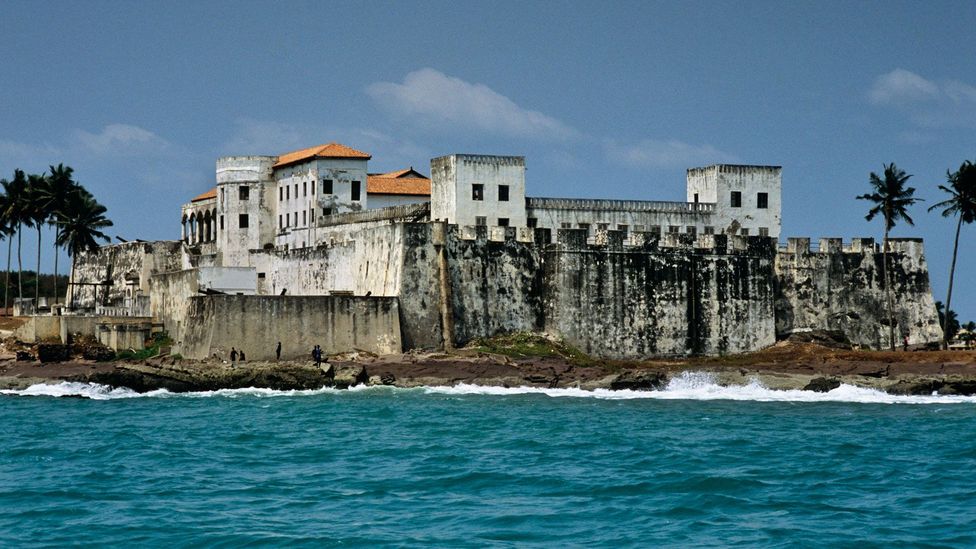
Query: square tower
[748, 199]
[475, 189]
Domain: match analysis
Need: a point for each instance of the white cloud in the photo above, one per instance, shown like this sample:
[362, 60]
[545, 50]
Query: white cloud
[656, 153]
[436, 98]
[120, 140]
[900, 86]
[927, 103]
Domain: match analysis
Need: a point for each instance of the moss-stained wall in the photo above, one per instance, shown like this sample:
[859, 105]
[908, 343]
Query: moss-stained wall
[136, 260]
[843, 288]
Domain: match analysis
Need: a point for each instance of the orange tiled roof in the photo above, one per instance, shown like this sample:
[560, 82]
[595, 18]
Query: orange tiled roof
[331, 150]
[212, 193]
[406, 181]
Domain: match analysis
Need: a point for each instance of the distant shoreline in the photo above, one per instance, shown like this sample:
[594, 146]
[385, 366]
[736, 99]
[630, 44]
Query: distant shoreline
[786, 366]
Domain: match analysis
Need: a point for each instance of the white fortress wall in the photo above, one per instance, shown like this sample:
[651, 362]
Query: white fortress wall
[468, 189]
[626, 216]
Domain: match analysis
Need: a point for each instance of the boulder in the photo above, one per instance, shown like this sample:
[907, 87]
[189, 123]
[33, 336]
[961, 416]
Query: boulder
[639, 380]
[822, 385]
[348, 375]
[25, 356]
[52, 352]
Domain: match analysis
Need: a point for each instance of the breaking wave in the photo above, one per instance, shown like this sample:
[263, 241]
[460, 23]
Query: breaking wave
[687, 386]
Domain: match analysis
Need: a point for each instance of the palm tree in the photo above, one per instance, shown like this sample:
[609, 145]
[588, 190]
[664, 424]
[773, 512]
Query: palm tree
[948, 320]
[35, 215]
[891, 200]
[53, 198]
[6, 231]
[962, 204]
[12, 217]
[81, 221]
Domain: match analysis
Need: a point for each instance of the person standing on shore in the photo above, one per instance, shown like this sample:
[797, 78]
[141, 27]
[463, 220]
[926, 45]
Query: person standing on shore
[278, 352]
[233, 355]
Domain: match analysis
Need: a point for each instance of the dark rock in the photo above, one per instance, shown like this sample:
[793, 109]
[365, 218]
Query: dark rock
[52, 352]
[349, 375]
[916, 387]
[639, 380]
[828, 338]
[822, 385]
[99, 353]
[24, 356]
[388, 379]
[964, 388]
[538, 378]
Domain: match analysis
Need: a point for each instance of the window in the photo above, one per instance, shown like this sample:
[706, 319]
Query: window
[762, 201]
[326, 211]
[326, 186]
[296, 190]
[656, 230]
[566, 225]
[744, 232]
[532, 222]
[696, 198]
[304, 219]
[736, 199]
[602, 226]
[221, 223]
[503, 193]
[242, 221]
[481, 221]
[692, 230]
[261, 275]
[503, 222]
[355, 190]
[311, 212]
[296, 219]
[280, 222]
[477, 191]
[281, 194]
[638, 228]
[673, 229]
[709, 229]
[763, 231]
[304, 188]
[623, 229]
[245, 192]
[287, 192]
[584, 226]
[313, 188]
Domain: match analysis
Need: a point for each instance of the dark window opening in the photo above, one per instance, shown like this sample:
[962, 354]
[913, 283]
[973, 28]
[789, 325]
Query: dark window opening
[327, 186]
[355, 190]
[304, 219]
[736, 199]
[477, 191]
[762, 200]
[744, 232]
[584, 226]
[503, 193]
[242, 221]
[566, 225]
[245, 192]
[281, 194]
[709, 230]
[673, 229]
[261, 275]
[221, 223]
[532, 222]
[624, 229]
[763, 231]
[287, 192]
[696, 198]
[503, 222]
[656, 230]
[304, 188]
[480, 220]
[326, 211]
[602, 226]
[692, 230]
[280, 222]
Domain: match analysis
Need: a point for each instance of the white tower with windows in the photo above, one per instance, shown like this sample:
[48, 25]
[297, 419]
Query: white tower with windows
[748, 199]
[470, 189]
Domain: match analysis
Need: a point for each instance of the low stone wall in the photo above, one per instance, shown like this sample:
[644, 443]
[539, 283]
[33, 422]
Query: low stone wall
[255, 324]
[39, 328]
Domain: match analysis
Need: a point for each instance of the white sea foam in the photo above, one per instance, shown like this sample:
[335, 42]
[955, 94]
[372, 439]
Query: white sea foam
[687, 386]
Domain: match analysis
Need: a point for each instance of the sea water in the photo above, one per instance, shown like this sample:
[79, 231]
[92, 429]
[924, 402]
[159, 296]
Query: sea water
[692, 465]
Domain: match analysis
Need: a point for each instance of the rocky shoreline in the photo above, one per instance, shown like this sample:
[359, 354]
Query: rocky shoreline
[786, 366]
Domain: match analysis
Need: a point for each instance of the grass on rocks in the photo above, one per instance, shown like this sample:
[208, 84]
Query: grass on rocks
[528, 345]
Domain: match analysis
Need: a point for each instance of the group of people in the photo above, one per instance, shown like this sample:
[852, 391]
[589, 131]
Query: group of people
[236, 355]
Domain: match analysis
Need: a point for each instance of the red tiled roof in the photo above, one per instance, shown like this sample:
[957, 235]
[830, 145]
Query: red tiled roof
[380, 184]
[212, 193]
[331, 150]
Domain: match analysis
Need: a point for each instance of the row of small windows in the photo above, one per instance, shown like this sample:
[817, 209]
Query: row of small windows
[762, 200]
[285, 191]
[478, 193]
[653, 229]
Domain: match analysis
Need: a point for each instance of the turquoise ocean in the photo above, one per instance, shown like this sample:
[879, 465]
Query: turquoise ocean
[691, 465]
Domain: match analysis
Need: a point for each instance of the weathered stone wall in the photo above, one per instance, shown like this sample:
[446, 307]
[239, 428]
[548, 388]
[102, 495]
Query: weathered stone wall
[256, 323]
[622, 215]
[170, 299]
[121, 264]
[843, 288]
[678, 295]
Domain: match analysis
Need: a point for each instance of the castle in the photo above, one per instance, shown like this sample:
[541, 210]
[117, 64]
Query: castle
[310, 247]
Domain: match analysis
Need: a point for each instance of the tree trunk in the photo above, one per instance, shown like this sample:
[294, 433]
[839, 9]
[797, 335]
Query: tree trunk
[20, 266]
[57, 235]
[37, 277]
[6, 286]
[887, 278]
[71, 284]
[952, 272]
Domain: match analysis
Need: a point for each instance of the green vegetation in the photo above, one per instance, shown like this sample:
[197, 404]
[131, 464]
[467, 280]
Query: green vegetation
[58, 200]
[527, 345]
[153, 345]
[891, 201]
[45, 284]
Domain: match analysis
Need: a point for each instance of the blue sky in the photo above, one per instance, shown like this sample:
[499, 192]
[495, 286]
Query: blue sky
[604, 99]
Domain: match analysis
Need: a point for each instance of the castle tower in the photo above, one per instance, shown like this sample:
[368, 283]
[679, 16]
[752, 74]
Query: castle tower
[245, 207]
[475, 189]
[748, 199]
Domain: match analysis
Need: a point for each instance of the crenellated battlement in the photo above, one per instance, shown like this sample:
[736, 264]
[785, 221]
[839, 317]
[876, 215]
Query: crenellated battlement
[834, 245]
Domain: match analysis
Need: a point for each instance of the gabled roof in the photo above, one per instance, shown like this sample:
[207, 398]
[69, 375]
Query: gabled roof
[212, 193]
[331, 150]
[405, 182]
